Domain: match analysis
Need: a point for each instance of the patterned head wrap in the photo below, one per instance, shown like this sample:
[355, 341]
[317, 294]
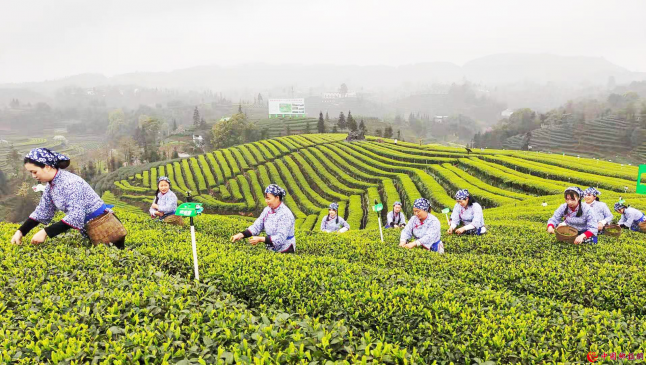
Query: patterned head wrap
[462, 194]
[422, 204]
[620, 205]
[163, 178]
[48, 157]
[592, 191]
[334, 206]
[575, 189]
[275, 190]
[397, 203]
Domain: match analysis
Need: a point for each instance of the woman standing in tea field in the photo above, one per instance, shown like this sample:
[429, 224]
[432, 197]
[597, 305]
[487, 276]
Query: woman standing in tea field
[276, 220]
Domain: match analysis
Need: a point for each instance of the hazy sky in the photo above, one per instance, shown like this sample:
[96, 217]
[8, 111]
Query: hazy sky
[48, 39]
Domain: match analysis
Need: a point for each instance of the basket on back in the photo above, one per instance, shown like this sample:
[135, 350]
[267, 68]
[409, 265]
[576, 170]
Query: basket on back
[105, 229]
[566, 234]
[642, 227]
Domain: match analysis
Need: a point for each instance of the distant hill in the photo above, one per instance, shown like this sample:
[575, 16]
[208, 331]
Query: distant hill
[606, 138]
[494, 69]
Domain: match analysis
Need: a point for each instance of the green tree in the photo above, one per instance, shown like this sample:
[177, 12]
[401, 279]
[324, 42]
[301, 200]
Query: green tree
[342, 124]
[196, 117]
[378, 132]
[236, 130]
[334, 129]
[362, 127]
[117, 126]
[320, 126]
[343, 89]
[307, 127]
[352, 124]
[388, 132]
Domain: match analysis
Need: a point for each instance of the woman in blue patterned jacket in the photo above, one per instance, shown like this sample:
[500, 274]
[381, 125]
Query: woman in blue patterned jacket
[332, 222]
[423, 227]
[276, 220]
[630, 217]
[601, 211]
[575, 214]
[165, 203]
[64, 191]
[467, 213]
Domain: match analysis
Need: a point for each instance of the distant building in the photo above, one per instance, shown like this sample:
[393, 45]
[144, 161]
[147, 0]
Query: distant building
[333, 96]
[506, 113]
[198, 140]
[440, 118]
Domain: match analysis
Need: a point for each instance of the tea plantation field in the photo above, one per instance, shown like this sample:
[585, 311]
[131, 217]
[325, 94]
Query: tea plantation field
[514, 295]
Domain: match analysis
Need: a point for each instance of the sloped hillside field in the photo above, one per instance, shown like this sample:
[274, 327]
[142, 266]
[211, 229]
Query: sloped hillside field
[514, 295]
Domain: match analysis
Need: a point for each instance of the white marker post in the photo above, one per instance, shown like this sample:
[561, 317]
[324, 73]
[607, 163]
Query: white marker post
[377, 208]
[446, 213]
[190, 209]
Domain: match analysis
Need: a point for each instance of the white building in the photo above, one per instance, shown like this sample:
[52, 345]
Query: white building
[506, 113]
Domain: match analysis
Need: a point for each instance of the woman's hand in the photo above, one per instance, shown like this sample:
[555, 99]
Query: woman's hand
[39, 237]
[237, 237]
[460, 230]
[550, 230]
[600, 226]
[579, 239]
[17, 238]
[159, 214]
[562, 224]
[155, 206]
[254, 240]
[402, 243]
[450, 230]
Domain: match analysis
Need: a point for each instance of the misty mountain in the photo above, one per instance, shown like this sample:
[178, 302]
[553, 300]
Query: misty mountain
[492, 70]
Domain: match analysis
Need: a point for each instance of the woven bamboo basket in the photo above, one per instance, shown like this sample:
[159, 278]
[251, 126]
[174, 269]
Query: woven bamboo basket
[613, 230]
[174, 219]
[566, 234]
[105, 229]
[642, 227]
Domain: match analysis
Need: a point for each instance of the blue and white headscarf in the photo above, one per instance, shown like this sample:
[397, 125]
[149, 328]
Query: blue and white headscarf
[163, 178]
[462, 194]
[422, 204]
[397, 203]
[620, 206]
[275, 190]
[334, 206]
[47, 157]
[592, 191]
[576, 189]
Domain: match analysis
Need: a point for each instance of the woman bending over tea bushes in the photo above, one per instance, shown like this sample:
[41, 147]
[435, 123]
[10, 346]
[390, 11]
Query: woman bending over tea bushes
[67, 192]
[276, 220]
[423, 227]
[630, 217]
[468, 213]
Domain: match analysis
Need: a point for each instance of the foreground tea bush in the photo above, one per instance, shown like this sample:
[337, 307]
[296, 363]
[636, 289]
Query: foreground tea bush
[65, 303]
